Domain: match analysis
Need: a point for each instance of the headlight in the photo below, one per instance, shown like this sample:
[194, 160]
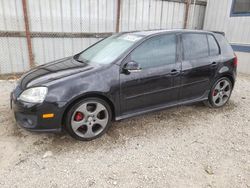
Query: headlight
[34, 95]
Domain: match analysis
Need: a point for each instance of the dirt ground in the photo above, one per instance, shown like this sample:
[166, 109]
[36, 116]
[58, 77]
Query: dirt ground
[186, 146]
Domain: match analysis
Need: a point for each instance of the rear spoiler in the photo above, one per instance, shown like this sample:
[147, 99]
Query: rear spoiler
[219, 32]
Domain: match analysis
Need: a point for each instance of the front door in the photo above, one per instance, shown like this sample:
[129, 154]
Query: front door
[157, 83]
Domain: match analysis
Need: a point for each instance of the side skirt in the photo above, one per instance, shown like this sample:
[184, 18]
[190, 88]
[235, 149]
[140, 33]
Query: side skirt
[158, 108]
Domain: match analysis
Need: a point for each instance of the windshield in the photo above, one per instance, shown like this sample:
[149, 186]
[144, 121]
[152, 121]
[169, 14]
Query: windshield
[109, 49]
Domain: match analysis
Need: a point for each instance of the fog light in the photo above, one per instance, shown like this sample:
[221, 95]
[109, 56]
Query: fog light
[29, 121]
[46, 116]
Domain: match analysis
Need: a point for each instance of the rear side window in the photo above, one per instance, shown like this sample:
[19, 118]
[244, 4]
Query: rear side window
[213, 46]
[156, 51]
[195, 46]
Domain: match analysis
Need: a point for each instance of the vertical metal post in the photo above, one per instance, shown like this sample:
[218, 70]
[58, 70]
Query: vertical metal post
[193, 15]
[27, 33]
[186, 13]
[118, 12]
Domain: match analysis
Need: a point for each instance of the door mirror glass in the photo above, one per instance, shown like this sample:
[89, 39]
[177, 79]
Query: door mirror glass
[132, 66]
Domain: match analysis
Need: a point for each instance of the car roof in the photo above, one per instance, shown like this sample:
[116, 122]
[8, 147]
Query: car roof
[158, 31]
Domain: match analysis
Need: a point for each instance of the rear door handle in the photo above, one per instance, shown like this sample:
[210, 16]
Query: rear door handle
[174, 72]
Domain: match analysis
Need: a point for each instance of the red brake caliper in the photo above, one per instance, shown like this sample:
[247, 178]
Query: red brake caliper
[214, 93]
[78, 116]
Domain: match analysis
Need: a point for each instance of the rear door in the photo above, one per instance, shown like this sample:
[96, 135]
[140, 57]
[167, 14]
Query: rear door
[199, 65]
[157, 82]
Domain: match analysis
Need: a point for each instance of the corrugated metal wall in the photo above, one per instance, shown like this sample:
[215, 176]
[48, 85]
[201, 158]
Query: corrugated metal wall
[158, 14]
[196, 16]
[79, 16]
[13, 50]
[68, 16]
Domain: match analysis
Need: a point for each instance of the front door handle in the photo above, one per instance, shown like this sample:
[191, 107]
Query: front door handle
[174, 72]
[214, 64]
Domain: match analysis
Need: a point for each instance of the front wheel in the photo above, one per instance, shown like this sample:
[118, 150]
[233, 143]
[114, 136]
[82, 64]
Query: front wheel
[220, 93]
[88, 119]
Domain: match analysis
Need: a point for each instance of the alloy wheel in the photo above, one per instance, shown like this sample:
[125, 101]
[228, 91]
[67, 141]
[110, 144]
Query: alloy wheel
[221, 93]
[89, 119]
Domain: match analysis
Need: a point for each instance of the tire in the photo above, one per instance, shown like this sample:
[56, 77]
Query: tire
[219, 94]
[88, 119]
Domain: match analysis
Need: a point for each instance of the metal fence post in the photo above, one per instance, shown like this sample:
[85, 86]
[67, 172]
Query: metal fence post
[118, 12]
[186, 13]
[27, 33]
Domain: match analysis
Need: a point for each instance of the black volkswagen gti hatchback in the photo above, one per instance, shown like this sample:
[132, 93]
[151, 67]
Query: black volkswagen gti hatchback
[125, 75]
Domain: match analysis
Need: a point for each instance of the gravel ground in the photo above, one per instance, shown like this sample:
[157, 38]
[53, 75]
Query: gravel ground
[186, 146]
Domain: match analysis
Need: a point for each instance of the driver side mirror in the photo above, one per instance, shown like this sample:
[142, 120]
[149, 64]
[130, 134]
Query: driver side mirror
[132, 67]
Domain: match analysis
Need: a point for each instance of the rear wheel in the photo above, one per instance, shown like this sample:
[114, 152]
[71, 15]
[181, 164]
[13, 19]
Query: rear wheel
[88, 119]
[220, 93]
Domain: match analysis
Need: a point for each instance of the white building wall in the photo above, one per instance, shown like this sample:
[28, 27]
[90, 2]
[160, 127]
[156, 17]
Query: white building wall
[237, 29]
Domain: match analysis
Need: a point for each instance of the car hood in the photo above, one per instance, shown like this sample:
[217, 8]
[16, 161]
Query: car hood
[52, 71]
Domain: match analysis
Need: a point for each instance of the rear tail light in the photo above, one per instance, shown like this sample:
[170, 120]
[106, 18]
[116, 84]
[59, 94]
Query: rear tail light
[235, 62]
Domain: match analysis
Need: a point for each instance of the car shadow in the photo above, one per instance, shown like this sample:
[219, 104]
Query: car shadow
[122, 132]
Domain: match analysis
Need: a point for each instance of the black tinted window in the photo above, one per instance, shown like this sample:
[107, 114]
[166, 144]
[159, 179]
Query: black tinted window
[195, 46]
[213, 47]
[157, 51]
[241, 6]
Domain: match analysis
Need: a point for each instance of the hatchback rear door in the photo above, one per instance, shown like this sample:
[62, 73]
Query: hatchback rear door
[199, 65]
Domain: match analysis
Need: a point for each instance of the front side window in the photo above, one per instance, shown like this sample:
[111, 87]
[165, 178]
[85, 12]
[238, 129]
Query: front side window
[240, 7]
[194, 46]
[156, 51]
[213, 46]
[108, 49]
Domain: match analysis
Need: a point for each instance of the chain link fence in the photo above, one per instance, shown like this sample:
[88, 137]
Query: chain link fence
[61, 28]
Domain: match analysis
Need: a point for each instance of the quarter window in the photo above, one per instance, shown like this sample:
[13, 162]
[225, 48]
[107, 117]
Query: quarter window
[213, 46]
[225, 47]
[195, 46]
[241, 7]
[157, 51]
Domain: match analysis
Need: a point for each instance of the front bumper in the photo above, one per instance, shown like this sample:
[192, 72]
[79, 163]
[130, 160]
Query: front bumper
[30, 116]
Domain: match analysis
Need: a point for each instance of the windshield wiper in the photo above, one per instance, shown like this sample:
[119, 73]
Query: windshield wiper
[76, 57]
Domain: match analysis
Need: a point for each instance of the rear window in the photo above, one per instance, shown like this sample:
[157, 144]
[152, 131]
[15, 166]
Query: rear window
[195, 46]
[213, 46]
